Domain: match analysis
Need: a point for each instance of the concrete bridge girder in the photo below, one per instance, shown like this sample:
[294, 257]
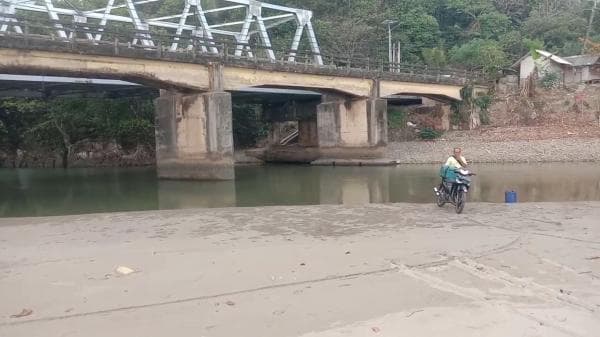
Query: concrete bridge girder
[177, 75]
[159, 74]
[237, 78]
[443, 91]
[197, 77]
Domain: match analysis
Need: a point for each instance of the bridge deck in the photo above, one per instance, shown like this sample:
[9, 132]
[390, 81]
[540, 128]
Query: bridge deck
[103, 48]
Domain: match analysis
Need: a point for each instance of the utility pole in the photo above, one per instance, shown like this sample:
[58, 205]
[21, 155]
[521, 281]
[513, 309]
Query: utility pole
[390, 56]
[389, 24]
[589, 28]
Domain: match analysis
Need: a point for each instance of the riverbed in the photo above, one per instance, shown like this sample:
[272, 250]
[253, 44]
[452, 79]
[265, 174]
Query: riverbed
[42, 192]
[382, 270]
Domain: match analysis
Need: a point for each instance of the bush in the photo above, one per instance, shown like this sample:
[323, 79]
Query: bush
[397, 118]
[483, 103]
[133, 132]
[248, 126]
[550, 80]
[429, 133]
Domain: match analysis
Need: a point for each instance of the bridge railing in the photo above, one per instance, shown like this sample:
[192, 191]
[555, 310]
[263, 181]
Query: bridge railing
[118, 40]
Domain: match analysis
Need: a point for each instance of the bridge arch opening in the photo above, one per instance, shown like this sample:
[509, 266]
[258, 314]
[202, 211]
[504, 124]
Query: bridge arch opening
[66, 121]
[414, 116]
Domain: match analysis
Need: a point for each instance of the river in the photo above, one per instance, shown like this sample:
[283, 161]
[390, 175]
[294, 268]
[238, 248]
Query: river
[42, 192]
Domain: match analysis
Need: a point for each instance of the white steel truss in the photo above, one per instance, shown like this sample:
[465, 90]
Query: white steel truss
[7, 16]
[204, 26]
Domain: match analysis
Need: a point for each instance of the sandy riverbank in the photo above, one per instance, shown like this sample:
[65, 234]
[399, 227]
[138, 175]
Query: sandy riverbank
[376, 270]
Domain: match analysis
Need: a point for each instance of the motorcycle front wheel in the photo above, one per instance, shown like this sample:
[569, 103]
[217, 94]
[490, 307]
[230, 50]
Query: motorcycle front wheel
[460, 200]
[440, 198]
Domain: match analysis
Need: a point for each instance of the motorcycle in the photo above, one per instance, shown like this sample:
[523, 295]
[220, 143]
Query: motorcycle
[454, 191]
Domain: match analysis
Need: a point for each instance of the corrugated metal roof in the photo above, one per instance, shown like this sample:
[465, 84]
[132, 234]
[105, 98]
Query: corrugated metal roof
[553, 57]
[544, 54]
[583, 60]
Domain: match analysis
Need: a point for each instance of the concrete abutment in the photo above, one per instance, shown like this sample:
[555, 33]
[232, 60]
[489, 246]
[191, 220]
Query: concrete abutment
[194, 138]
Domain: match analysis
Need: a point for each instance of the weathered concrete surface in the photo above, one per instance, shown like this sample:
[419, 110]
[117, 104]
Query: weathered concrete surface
[194, 137]
[308, 132]
[340, 128]
[184, 71]
[168, 74]
[352, 123]
[377, 120]
[377, 270]
[157, 73]
[449, 92]
[123, 50]
[236, 78]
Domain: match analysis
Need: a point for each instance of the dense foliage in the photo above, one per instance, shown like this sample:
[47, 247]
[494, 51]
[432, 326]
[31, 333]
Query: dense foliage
[478, 34]
[57, 125]
[248, 126]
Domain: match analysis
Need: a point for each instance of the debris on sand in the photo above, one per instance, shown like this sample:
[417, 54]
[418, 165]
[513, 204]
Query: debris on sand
[122, 270]
[23, 313]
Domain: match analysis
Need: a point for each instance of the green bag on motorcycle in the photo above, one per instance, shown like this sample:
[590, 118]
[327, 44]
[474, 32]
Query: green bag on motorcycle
[447, 173]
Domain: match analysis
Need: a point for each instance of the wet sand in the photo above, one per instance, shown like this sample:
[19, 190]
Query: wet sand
[374, 270]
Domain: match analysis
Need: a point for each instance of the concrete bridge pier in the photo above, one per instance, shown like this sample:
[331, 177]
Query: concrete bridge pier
[194, 138]
[352, 128]
[337, 127]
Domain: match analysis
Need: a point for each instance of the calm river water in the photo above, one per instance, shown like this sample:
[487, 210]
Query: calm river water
[39, 192]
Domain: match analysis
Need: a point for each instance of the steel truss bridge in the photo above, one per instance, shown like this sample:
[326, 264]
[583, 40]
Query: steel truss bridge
[223, 29]
[194, 26]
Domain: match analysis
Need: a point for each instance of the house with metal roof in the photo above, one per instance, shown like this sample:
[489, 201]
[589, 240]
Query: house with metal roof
[571, 69]
[585, 68]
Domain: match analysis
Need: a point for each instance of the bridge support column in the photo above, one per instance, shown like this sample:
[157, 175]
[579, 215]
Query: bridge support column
[194, 138]
[308, 134]
[352, 128]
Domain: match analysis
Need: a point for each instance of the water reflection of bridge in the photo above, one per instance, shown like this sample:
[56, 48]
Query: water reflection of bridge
[277, 185]
[49, 192]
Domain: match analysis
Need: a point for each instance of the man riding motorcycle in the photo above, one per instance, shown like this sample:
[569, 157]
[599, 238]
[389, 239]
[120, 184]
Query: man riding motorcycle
[455, 181]
[456, 160]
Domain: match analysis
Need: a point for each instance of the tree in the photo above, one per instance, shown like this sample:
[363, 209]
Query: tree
[563, 28]
[347, 38]
[62, 124]
[417, 31]
[58, 125]
[493, 25]
[435, 57]
[478, 54]
[517, 10]
[17, 116]
[546, 8]
[248, 125]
